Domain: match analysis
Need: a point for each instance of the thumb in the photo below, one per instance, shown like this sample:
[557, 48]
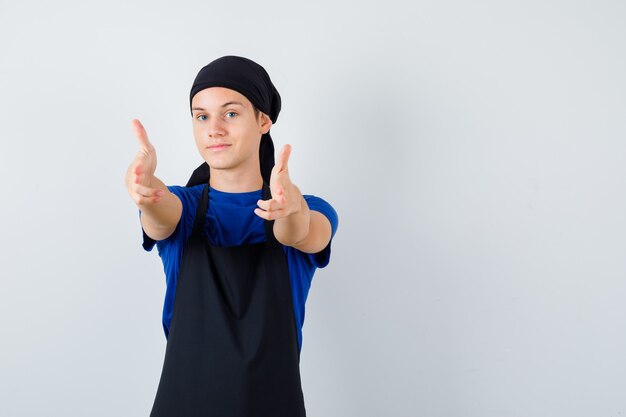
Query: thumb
[142, 135]
[283, 158]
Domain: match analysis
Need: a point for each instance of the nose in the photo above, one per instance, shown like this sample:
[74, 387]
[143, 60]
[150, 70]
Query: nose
[216, 128]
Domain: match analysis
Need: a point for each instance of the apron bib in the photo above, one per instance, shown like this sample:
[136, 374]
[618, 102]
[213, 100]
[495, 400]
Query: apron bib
[232, 349]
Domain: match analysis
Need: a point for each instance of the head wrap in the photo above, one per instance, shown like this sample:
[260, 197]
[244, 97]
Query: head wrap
[251, 80]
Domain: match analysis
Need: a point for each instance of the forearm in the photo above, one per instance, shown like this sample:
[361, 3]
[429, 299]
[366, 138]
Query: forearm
[160, 219]
[295, 225]
[294, 228]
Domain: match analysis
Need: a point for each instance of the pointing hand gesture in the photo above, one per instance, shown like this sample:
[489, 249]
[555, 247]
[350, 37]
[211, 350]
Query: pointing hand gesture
[286, 197]
[140, 174]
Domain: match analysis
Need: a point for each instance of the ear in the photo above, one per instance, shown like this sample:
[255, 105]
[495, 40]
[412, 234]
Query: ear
[266, 123]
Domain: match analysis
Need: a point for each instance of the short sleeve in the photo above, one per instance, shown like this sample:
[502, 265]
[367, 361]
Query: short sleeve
[322, 258]
[148, 242]
[187, 197]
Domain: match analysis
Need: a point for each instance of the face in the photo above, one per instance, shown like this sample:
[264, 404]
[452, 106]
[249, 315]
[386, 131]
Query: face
[226, 131]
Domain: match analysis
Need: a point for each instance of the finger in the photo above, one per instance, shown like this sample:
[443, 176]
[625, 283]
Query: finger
[269, 205]
[277, 192]
[142, 200]
[147, 191]
[269, 215]
[283, 158]
[139, 174]
[141, 134]
[145, 201]
[138, 169]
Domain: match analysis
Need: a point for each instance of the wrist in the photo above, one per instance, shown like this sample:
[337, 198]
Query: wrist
[302, 207]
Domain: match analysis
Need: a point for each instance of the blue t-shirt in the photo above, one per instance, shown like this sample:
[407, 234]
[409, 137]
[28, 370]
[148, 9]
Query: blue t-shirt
[231, 221]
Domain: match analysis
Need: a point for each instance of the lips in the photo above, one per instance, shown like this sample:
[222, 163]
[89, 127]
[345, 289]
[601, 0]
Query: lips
[219, 147]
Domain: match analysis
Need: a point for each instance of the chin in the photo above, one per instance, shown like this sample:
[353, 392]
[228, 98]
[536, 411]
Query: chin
[216, 163]
[211, 160]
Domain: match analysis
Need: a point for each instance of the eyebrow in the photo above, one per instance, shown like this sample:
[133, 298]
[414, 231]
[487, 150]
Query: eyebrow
[223, 105]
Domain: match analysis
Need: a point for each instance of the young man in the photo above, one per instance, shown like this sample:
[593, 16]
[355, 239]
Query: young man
[239, 245]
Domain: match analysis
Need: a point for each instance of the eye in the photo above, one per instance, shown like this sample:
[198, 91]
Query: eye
[231, 112]
[199, 117]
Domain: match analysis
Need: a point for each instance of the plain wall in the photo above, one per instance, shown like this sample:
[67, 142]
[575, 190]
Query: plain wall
[475, 153]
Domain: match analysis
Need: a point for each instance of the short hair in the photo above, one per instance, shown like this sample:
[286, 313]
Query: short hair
[257, 111]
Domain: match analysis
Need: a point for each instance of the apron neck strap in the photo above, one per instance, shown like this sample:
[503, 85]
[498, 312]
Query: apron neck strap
[269, 224]
[198, 223]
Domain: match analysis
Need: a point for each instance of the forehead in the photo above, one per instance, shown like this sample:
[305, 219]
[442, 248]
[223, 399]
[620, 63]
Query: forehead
[215, 97]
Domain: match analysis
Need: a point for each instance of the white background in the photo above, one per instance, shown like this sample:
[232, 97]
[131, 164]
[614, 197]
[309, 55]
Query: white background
[474, 151]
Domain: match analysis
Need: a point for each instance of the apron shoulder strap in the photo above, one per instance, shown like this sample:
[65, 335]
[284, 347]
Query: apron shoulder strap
[198, 224]
[269, 224]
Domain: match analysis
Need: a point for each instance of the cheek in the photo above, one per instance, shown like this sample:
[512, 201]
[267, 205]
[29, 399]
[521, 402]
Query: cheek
[199, 142]
[197, 133]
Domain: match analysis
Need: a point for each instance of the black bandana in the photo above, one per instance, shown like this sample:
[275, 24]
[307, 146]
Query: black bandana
[250, 79]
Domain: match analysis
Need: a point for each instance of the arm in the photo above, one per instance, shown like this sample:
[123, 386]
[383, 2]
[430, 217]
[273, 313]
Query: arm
[159, 220]
[294, 223]
[160, 209]
[306, 230]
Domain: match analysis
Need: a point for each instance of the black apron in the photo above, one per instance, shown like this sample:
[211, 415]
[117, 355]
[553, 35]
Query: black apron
[232, 349]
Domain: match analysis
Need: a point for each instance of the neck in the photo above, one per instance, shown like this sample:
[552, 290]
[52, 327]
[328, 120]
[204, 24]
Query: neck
[235, 182]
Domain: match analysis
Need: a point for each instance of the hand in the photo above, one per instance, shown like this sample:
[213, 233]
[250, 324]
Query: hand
[286, 197]
[141, 171]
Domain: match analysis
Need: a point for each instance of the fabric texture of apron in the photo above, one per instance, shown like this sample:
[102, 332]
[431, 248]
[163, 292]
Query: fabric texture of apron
[232, 349]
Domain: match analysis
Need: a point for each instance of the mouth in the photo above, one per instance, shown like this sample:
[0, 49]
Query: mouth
[218, 147]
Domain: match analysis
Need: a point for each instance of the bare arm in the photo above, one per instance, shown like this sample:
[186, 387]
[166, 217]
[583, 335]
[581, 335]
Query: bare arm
[294, 223]
[311, 224]
[160, 209]
[159, 219]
